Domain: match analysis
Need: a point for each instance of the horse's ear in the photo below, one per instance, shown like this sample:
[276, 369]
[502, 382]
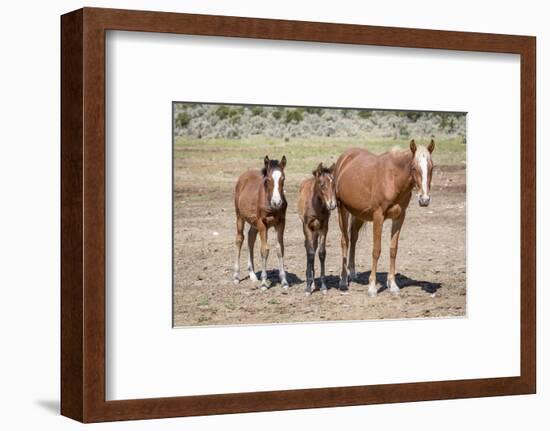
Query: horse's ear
[283, 162]
[412, 145]
[317, 172]
[266, 162]
[431, 147]
[332, 168]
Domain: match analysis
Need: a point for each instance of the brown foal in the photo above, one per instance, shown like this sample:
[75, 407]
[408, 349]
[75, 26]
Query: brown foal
[316, 200]
[374, 188]
[260, 201]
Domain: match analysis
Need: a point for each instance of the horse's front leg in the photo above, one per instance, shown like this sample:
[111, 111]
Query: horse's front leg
[264, 251]
[323, 255]
[377, 222]
[310, 256]
[252, 233]
[395, 231]
[281, 253]
[238, 244]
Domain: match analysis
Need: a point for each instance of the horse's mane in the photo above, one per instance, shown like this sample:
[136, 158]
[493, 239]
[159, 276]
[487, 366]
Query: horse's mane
[397, 151]
[398, 154]
[273, 164]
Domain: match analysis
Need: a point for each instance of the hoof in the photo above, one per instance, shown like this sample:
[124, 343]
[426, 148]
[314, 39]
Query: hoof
[372, 291]
[393, 287]
[253, 276]
[343, 285]
[263, 288]
[282, 279]
[324, 290]
[236, 279]
[307, 293]
[353, 276]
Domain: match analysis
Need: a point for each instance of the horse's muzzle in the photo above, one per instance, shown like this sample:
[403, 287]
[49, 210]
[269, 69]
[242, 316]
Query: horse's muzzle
[276, 204]
[331, 205]
[424, 201]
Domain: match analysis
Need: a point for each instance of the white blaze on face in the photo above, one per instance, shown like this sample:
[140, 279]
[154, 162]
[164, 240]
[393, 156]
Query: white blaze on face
[332, 203]
[423, 164]
[276, 199]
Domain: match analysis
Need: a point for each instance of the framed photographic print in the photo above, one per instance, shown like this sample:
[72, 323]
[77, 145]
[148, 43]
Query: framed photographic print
[267, 215]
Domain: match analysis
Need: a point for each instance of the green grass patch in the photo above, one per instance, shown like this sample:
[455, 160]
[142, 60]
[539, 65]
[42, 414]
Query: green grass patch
[302, 153]
[203, 302]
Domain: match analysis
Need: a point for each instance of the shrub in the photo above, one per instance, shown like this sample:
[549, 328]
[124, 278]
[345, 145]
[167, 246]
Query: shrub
[314, 111]
[346, 113]
[294, 116]
[278, 113]
[365, 114]
[413, 116]
[446, 121]
[183, 119]
[452, 125]
[256, 110]
[223, 112]
[403, 132]
[233, 134]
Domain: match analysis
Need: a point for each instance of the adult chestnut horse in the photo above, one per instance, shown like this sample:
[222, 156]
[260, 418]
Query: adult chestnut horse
[316, 200]
[374, 188]
[260, 201]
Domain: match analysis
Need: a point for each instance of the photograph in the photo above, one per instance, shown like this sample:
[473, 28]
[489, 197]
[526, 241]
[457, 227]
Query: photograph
[294, 214]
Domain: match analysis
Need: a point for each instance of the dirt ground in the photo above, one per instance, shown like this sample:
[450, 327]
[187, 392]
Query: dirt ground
[431, 262]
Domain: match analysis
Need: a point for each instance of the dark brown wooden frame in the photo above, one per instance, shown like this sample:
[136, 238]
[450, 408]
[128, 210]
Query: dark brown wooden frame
[83, 214]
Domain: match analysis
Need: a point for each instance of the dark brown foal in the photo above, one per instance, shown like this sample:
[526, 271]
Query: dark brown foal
[260, 201]
[317, 199]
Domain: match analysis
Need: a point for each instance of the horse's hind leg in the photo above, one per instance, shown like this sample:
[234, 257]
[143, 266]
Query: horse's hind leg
[281, 253]
[323, 255]
[238, 243]
[252, 234]
[343, 221]
[395, 231]
[356, 225]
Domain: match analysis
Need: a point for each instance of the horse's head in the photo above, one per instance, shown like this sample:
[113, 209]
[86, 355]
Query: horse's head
[421, 170]
[324, 185]
[274, 181]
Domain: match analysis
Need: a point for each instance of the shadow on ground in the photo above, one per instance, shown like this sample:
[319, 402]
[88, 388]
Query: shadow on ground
[402, 281]
[51, 406]
[273, 277]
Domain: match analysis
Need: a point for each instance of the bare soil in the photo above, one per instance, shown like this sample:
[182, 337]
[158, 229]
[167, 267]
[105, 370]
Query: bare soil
[431, 262]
